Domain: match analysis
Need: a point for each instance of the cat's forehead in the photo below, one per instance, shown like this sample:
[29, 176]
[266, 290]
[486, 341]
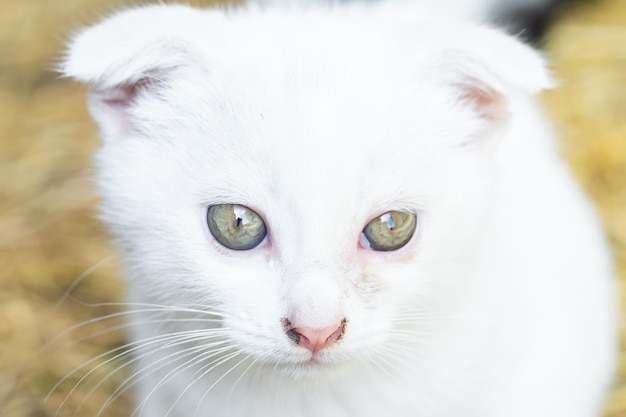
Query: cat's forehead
[316, 121]
[308, 124]
[316, 104]
[320, 131]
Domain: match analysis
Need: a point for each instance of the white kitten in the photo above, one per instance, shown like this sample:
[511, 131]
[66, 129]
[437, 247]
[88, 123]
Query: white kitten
[404, 239]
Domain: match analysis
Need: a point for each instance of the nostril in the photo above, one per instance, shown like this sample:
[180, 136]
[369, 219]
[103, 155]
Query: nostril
[315, 339]
[337, 334]
[293, 336]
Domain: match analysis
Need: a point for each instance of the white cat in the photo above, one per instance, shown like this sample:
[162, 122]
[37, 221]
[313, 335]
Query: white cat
[345, 211]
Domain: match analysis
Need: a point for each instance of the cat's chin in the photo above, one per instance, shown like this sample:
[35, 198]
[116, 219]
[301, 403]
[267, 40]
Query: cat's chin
[312, 368]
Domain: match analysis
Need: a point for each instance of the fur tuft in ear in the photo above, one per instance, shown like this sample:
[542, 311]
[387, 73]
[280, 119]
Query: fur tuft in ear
[488, 68]
[128, 54]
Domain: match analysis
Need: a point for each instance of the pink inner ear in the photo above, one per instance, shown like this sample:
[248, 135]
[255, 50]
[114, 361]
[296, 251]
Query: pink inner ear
[123, 96]
[489, 105]
[111, 107]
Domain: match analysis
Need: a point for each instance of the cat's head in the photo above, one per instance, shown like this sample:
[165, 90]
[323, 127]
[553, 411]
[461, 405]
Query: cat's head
[318, 181]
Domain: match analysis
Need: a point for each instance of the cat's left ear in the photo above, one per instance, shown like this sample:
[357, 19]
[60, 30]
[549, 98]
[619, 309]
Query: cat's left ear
[130, 55]
[487, 69]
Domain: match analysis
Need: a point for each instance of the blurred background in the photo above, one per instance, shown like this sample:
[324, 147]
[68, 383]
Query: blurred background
[51, 244]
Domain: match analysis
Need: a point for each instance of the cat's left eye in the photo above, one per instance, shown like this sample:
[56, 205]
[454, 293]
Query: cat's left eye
[390, 231]
[236, 227]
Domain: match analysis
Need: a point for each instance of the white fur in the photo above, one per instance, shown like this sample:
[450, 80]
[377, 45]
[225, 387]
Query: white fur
[501, 305]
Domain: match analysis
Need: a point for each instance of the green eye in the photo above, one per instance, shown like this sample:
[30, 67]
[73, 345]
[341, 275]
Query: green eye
[391, 231]
[236, 227]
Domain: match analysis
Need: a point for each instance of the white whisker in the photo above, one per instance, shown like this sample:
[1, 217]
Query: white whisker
[206, 369]
[129, 313]
[207, 354]
[68, 292]
[217, 381]
[141, 374]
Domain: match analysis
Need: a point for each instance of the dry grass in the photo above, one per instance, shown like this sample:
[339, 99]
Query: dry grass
[49, 236]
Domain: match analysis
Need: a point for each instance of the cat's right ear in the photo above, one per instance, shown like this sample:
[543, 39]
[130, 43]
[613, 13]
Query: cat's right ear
[126, 56]
[486, 69]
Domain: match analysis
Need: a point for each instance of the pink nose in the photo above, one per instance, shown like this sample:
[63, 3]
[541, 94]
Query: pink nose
[315, 339]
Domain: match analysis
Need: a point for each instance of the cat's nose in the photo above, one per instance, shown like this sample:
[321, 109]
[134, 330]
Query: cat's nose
[315, 339]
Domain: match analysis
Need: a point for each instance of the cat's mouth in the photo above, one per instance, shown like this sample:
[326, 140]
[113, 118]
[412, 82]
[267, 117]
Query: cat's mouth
[315, 360]
[313, 365]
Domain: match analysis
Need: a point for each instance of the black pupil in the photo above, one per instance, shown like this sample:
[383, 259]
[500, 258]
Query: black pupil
[238, 221]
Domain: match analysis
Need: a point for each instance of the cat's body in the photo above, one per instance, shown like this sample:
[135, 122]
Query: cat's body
[500, 304]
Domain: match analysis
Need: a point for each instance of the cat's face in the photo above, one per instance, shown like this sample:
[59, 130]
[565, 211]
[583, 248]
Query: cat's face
[308, 142]
[317, 164]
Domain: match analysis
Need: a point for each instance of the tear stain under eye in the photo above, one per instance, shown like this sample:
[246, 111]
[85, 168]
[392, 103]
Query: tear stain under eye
[369, 283]
[373, 278]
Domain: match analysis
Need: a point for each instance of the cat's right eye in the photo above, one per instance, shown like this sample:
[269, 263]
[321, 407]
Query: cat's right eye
[236, 227]
[390, 231]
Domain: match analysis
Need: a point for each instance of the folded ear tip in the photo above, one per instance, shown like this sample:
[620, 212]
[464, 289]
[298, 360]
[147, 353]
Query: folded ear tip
[124, 44]
[533, 73]
[89, 50]
[515, 64]
[77, 58]
[545, 78]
